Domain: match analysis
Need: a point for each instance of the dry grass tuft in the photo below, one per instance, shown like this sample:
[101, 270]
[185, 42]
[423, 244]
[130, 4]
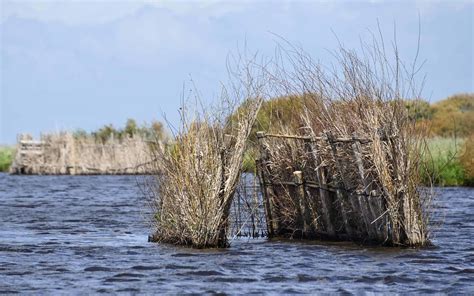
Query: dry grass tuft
[197, 178]
[198, 174]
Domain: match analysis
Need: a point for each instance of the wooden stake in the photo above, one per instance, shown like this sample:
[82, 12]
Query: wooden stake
[366, 202]
[323, 194]
[305, 217]
[342, 194]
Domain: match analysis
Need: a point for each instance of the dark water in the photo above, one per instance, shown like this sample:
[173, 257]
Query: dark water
[82, 235]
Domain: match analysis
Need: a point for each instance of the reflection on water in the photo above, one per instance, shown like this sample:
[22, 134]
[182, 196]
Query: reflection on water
[89, 234]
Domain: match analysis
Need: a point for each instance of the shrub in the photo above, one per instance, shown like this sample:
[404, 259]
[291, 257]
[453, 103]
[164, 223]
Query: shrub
[454, 116]
[6, 158]
[467, 161]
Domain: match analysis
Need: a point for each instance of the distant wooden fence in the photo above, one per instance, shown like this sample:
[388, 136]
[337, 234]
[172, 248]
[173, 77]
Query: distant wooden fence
[62, 154]
[321, 188]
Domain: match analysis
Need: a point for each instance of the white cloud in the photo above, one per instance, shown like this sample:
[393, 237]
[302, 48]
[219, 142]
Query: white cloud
[75, 12]
[68, 12]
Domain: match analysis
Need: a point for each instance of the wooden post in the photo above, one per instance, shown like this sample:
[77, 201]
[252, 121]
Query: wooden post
[365, 203]
[305, 217]
[261, 169]
[239, 217]
[323, 193]
[342, 190]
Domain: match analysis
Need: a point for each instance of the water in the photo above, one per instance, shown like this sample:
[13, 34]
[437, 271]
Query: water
[83, 235]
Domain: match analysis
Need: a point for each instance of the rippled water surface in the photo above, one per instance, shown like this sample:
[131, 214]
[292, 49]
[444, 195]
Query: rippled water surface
[68, 234]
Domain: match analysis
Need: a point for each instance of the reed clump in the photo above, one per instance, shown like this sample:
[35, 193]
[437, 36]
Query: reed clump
[197, 177]
[354, 168]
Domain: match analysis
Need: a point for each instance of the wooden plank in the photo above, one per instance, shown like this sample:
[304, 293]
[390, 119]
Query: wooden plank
[31, 143]
[322, 138]
[31, 152]
[287, 136]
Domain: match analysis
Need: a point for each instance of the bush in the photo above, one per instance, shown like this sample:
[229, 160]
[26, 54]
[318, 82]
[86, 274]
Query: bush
[467, 161]
[454, 116]
[6, 158]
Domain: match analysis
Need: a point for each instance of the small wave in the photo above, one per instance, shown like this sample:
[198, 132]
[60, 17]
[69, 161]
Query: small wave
[97, 268]
[204, 273]
[129, 274]
[145, 267]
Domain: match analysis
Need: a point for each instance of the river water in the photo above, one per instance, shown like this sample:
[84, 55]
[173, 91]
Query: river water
[88, 234]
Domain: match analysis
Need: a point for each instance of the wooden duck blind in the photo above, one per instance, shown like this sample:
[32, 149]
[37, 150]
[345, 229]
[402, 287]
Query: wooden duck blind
[326, 188]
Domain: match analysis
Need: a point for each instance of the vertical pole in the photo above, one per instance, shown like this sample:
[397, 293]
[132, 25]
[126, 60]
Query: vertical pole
[238, 215]
[302, 202]
[255, 209]
[342, 190]
[261, 168]
[323, 193]
[366, 202]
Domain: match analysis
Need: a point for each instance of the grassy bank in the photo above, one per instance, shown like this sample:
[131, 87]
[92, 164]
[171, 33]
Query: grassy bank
[443, 164]
[449, 162]
[6, 157]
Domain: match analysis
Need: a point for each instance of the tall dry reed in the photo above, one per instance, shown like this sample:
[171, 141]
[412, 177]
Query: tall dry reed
[198, 173]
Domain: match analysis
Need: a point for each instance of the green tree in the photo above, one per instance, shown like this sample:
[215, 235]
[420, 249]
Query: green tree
[454, 116]
[105, 133]
[131, 127]
[157, 129]
[419, 109]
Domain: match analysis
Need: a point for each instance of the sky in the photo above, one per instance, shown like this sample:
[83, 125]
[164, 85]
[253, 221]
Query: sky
[82, 64]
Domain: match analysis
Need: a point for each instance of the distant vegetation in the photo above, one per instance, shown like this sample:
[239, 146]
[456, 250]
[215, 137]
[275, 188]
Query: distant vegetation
[450, 124]
[153, 131]
[443, 161]
[6, 158]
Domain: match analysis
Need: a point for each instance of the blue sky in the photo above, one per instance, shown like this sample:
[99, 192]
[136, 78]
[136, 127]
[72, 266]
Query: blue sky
[83, 64]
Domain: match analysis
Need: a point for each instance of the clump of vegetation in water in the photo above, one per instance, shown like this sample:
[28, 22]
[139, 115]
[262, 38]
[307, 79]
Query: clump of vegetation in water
[197, 176]
[6, 158]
